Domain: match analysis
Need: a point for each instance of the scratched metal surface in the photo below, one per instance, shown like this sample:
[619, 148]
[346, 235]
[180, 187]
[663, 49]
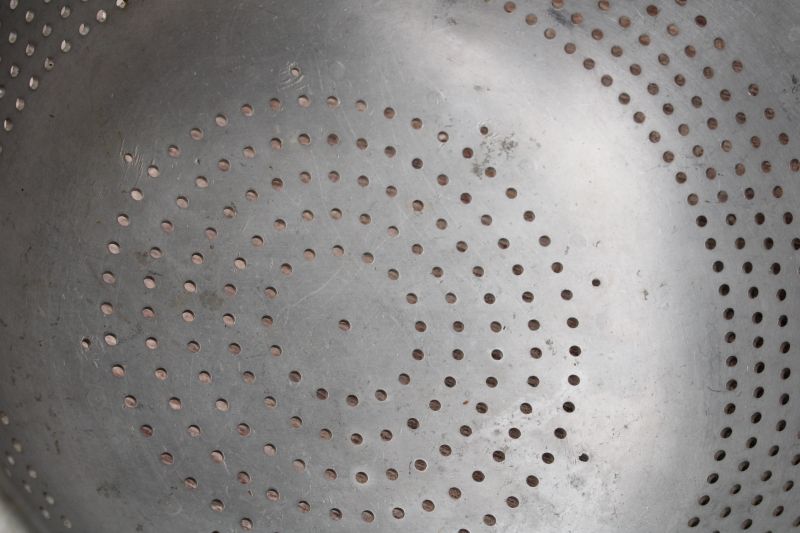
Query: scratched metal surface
[368, 266]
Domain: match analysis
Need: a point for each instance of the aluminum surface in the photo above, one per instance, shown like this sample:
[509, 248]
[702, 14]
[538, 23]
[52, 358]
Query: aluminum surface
[369, 266]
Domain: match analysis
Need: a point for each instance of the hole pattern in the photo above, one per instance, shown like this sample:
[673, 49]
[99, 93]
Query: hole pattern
[750, 345]
[282, 282]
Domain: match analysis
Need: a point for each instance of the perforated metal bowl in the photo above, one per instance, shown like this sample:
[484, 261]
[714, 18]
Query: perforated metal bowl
[377, 266]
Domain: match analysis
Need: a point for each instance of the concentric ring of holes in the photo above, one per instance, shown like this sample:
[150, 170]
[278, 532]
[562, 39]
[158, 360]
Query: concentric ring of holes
[24, 76]
[772, 311]
[214, 229]
[681, 177]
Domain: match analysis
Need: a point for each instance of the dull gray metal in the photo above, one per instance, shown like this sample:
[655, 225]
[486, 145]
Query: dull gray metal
[369, 266]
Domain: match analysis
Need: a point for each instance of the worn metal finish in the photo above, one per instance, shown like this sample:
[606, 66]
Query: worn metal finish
[368, 266]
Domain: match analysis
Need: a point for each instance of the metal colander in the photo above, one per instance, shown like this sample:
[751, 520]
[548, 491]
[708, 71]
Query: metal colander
[365, 266]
